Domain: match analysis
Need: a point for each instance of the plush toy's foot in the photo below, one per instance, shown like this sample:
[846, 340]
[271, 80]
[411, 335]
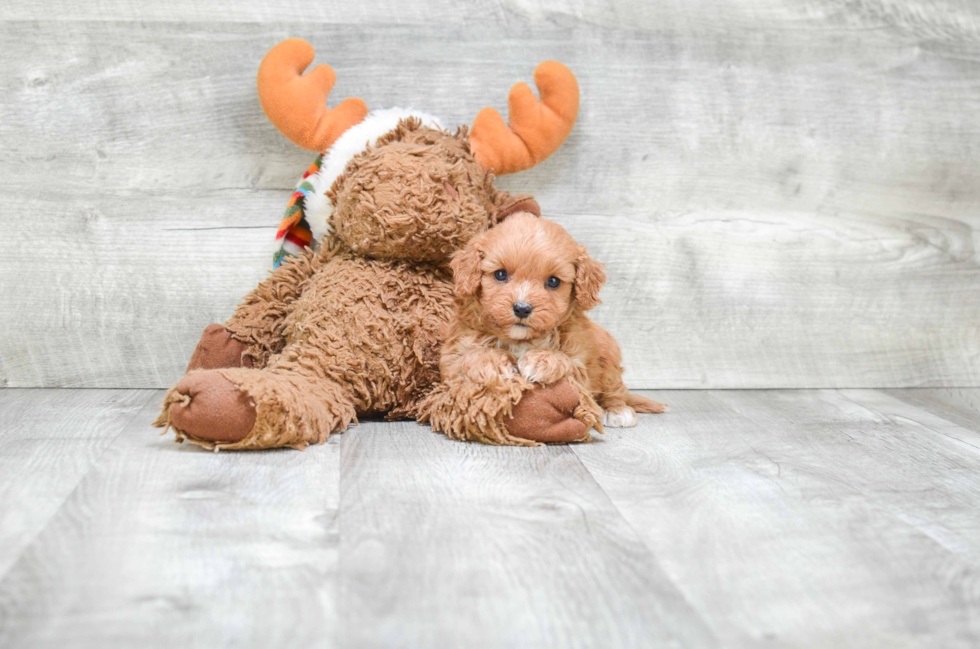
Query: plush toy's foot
[217, 349]
[552, 415]
[254, 409]
[206, 407]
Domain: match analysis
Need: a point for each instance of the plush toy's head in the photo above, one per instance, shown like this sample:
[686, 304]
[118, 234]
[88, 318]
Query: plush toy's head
[394, 184]
[417, 194]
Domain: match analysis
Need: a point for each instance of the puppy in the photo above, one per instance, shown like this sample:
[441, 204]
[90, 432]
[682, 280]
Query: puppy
[522, 290]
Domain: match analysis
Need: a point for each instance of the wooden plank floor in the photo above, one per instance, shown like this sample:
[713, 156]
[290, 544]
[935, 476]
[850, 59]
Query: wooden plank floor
[813, 518]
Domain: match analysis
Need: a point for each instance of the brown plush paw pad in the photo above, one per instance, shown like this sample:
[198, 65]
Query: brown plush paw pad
[217, 349]
[216, 410]
[544, 414]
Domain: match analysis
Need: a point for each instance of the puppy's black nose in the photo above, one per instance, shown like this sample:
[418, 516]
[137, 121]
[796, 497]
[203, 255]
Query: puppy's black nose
[522, 309]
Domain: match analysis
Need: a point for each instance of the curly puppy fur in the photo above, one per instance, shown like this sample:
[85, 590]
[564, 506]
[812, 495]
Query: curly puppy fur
[354, 329]
[522, 292]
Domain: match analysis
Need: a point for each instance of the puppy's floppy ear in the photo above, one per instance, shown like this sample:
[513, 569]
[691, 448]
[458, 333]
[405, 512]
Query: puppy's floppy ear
[590, 275]
[466, 269]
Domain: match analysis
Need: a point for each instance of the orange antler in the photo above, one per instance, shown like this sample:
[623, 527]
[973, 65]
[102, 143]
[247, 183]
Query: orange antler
[536, 130]
[296, 104]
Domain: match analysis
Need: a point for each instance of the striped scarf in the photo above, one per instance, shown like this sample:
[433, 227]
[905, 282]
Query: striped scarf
[294, 233]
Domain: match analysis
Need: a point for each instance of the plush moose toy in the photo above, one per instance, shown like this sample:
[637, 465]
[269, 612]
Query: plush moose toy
[348, 323]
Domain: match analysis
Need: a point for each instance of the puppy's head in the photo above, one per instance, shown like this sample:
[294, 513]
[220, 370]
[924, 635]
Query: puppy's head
[525, 277]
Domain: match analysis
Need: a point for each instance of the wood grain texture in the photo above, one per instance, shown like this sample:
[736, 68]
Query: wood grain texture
[383, 12]
[921, 420]
[739, 519]
[960, 406]
[784, 193]
[116, 298]
[164, 545]
[49, 439]
[454, 545]
[804, 518]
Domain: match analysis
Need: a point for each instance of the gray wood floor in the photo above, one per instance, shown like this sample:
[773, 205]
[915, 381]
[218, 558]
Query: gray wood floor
[741, 518]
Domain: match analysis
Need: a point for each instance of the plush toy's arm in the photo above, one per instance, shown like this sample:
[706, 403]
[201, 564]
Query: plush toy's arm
[481, 397]
[259, 321]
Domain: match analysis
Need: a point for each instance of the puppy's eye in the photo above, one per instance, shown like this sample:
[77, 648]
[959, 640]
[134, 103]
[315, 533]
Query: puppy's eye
[553, 282]
[500, 275]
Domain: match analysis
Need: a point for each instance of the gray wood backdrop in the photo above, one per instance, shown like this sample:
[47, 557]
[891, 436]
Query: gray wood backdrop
[784, 191]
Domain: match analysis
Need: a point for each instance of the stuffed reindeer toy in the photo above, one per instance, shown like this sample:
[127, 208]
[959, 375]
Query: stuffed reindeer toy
[348, 323]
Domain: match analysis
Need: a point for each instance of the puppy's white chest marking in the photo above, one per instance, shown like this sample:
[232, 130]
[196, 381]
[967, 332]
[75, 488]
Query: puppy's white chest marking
[517, 350]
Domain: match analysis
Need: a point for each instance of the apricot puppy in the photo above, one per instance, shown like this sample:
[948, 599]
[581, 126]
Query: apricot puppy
[523, 289]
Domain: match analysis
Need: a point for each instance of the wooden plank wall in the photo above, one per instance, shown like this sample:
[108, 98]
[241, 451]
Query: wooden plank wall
[785, 193]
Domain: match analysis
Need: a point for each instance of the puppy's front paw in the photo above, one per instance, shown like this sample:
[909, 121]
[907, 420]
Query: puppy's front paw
[491, 370]
[507, 371]
[624, 417]
[544, 366]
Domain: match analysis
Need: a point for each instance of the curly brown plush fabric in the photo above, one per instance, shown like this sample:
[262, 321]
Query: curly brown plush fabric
[386, 198]
[354, 328]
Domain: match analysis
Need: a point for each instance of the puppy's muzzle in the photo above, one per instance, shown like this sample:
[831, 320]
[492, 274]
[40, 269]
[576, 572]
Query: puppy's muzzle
[522, 309]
